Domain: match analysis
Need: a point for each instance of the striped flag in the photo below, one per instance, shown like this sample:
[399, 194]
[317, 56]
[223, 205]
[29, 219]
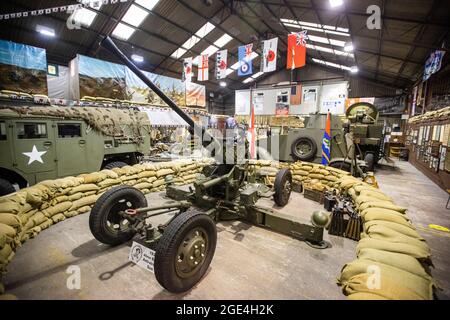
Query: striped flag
[326, 143]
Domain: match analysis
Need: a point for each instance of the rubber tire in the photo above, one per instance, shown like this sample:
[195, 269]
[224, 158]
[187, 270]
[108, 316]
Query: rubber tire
[169, 243]
[280, 180]
[370, 161]
[307, 157]
[97, 218]
[338, 165]
[6, 187]
[115, 164]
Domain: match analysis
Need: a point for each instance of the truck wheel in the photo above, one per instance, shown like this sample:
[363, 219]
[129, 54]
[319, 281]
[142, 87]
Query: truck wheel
[6, 187]
[115, 164]
[283, 187]
[304, 149]
[106, 225]
[185, 251]
[370, 161]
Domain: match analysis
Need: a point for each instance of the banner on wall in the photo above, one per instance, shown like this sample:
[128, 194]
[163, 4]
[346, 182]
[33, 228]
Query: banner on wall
[221, 64]
[203, 68]
[23, 68]
[296, 52]
[269, 60]
[245, 60]
[187, 70]
[195, 95]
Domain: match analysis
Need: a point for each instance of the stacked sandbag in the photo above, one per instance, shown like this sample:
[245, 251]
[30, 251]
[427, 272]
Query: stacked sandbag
[393, 260]
[305, 172]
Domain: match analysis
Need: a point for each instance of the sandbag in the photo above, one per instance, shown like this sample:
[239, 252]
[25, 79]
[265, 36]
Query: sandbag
[375, 194]
[405, 248]
[8, 231]
[300, 172]
[46, 224]
[109, 182]
[14, 203]
[76, 196]
[143, 185]
[90, 200]
[385, 233]
[60, 199]
[58, 217]
[363, 199]
[94, 177]
[83, 209]
[407, 230]
[390, 289]
[391, 278]
[384, 214]
[84, 188]
[6, 255]
[331, 178]
[60, 207]
[164, 172]
[126, 178]
[37, 194]
[147, 174]
[382, 204]
[316, 176]
[24, 217]
[397, 260]
[11, 220]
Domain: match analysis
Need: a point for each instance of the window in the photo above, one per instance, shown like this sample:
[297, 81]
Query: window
[69, 130]
[28, 130]
[2, 131]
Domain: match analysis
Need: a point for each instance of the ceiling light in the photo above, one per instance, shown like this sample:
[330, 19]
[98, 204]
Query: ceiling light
[229, 71]
[192, 41]
[203, 31]
[46, 31]
[179, 53]
[354, 69]
[336, 3]
[148, 4]
[348, 47]
[223, 40]
[223, 84]
[83, 17]
[123, 31]
[248, 80]
[137, 58]
[135, 16]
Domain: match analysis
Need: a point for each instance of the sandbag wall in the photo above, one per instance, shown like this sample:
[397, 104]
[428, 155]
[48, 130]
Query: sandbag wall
[29, 211]
[393, 260]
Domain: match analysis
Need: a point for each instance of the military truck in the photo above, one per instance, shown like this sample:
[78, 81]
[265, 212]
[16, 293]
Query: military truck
[41, 143]
[362, 122]
[305, 144]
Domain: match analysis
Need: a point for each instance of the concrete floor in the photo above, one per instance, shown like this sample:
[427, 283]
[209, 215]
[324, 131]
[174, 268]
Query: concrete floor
[249, 263]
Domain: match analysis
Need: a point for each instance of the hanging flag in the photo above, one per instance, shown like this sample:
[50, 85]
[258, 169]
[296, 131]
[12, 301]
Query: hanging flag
[203, 68]
[296, 95]
[252, 130]
[326, 143]
[269, 60]
[187, 70]
[245, 60]
[296, 53]
[221, 64]
[433, 64]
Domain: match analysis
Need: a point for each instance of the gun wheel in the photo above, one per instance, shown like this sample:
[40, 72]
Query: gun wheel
[106, 225]
[283, 187]
[185, 251]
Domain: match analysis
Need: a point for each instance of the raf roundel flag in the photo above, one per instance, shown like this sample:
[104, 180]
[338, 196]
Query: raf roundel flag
[326, 142]
[245, 60]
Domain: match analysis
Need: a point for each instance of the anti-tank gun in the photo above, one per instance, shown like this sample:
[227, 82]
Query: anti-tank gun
[184, 246]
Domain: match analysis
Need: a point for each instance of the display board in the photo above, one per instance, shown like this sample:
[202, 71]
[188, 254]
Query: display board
[58, 86]
[23, 68]
[293, 100]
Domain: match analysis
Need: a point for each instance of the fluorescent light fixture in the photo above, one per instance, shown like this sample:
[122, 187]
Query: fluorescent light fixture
[348, 47]
[123, 31]
[337, 43]
[46, 31]
[223, 40]
[257, 75]
[135, 16]
[223, 84]
[179, 53]
[229, 71]
[235, 66]
[336, 3]
[354, 69]
[203, 31]
[148, 4]
[137, 58]
[83, 16]
[210, 50]
[316, 27]
[248, 80]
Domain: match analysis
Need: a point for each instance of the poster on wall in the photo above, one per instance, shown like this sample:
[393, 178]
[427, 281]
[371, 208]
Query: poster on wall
[258, 102]
[98, 78]
[333, 106]
[23, 68]
[310, 95]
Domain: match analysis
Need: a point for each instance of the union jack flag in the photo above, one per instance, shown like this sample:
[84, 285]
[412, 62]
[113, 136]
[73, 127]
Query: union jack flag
[301, 38]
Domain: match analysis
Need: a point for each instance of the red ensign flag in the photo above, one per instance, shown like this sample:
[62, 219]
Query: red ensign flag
[296, 53]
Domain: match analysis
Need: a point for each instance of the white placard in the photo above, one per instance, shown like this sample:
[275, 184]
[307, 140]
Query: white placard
[142, 256]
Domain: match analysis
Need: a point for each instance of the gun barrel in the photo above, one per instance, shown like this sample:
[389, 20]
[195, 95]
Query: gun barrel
[109, 44]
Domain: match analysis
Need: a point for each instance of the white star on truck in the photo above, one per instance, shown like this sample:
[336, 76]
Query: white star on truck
[34, 155]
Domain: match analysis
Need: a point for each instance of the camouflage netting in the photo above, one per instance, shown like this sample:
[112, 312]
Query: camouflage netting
[112, 122]
[389, 242]
[438, 115]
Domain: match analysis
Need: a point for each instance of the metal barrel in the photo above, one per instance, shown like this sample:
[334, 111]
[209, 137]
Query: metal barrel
[109, 44]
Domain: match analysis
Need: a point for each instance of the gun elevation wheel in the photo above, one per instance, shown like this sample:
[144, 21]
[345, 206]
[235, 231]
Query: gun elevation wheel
[106, 225]
[283, 187]
[185, 251]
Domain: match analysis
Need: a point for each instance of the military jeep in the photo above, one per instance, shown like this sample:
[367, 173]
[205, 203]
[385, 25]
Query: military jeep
[41, 143]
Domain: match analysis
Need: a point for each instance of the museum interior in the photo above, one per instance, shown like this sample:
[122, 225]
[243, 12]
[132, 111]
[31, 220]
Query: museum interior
[224, 150]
